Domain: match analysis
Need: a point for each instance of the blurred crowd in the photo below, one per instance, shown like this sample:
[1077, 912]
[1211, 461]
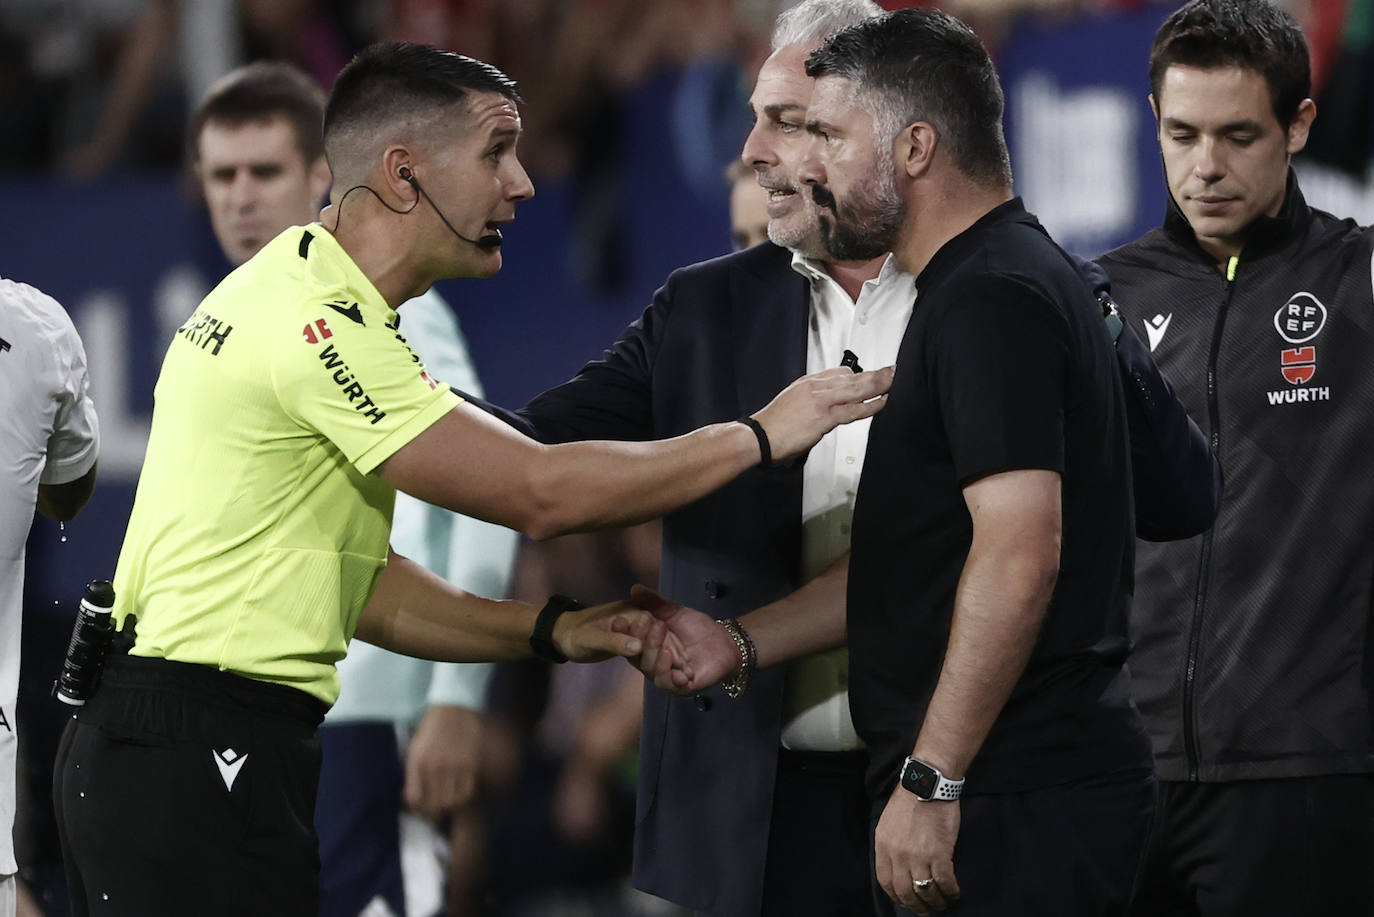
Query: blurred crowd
[90, 86]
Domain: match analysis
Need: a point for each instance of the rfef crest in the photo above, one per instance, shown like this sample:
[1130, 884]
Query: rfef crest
[1300, 319]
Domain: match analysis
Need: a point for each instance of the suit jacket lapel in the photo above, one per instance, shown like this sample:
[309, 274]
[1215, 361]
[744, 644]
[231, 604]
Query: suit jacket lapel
[772, 308]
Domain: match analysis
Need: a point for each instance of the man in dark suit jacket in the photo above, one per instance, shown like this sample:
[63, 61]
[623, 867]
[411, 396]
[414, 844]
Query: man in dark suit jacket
[719, 338]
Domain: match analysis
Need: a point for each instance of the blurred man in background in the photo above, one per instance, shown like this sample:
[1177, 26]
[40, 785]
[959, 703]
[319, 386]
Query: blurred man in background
[49, 442]
[259, 156]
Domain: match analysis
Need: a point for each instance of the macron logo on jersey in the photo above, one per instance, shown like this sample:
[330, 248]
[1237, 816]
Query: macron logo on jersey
[230, 763]
[348, 310]
[1155, 328]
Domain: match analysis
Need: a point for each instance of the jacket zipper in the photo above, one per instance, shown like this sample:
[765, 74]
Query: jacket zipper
[1205, 565]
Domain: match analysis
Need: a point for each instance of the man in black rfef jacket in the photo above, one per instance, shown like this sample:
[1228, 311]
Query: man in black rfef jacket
[1253, 655]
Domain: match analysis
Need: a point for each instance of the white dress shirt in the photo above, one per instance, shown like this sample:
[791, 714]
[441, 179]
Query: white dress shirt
[816, 706]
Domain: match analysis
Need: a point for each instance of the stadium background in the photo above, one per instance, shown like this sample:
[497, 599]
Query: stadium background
[634, 109]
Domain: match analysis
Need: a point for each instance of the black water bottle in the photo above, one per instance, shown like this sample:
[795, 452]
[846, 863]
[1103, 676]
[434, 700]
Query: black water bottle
[91, 636]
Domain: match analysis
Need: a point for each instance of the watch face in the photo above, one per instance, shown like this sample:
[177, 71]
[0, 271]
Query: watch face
[919, 779]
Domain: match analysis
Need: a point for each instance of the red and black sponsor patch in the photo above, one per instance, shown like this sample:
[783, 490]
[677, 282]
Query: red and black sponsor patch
[317, 331]
[1299, 365]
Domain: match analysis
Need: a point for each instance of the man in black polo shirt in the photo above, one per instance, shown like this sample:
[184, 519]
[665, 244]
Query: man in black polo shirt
[992, 540]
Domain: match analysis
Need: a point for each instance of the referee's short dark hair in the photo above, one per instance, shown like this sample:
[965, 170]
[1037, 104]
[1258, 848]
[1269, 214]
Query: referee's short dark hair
[258, 92]
[397, 81]
[914, 65]
[1250, 34]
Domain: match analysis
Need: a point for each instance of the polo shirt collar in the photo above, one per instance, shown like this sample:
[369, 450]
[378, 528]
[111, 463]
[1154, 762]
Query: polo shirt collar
[961, 246]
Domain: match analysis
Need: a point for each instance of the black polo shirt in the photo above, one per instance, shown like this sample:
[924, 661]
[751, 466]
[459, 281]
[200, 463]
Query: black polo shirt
[1006, 364]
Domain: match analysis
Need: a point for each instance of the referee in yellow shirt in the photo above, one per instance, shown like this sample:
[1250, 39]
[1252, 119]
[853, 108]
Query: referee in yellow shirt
[288, 411]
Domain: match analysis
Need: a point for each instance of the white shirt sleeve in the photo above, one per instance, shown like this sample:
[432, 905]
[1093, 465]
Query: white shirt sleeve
[75, 439]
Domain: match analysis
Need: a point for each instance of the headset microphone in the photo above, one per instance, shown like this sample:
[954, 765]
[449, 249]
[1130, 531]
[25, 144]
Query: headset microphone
[487, 242]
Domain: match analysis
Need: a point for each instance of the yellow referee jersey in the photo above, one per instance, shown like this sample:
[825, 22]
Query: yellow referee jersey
[258, 531]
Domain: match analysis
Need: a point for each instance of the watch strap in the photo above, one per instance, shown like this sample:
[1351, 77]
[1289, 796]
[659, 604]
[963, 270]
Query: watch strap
[541, 641]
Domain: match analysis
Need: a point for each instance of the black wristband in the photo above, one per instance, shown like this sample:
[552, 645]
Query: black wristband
[541, 641]
[765, 450]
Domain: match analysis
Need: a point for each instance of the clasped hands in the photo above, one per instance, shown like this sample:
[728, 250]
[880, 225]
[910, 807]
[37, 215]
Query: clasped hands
[682, 650]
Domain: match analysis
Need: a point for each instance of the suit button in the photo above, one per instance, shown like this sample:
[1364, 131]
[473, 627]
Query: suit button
[714, 590]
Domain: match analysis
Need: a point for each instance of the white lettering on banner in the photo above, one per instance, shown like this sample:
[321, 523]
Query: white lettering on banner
[102, 318]
[1076, 159]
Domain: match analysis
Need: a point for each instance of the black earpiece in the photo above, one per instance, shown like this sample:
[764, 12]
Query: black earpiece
[492, 241]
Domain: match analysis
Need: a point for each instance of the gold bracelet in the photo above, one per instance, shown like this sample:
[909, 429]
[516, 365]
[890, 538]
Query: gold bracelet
[736, 685]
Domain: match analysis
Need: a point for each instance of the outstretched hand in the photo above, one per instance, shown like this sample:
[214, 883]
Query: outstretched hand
[814, 405]
[603, 631]
[686, 651]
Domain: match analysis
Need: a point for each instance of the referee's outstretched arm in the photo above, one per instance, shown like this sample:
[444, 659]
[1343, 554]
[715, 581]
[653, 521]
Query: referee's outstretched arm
[471, 463]
[419, 613]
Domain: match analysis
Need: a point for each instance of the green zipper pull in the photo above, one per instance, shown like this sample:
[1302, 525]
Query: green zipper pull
[1231, 268]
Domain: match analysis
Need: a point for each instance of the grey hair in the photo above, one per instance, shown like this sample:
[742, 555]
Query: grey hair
[813, 22]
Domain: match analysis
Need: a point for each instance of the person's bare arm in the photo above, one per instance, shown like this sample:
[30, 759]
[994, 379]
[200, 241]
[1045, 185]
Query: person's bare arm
[1002, 598]
[61, 502]
[1003, 594]
[700, 653]
[418, 613]
[471, 463]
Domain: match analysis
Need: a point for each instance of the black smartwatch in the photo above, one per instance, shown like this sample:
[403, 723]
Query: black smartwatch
[926, 783]
[541, 641]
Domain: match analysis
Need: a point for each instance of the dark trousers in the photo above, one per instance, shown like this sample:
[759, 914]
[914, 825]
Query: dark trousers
[357, 818]
[1287, 847]
[182, 790]
[818, 863]
[1075, 850]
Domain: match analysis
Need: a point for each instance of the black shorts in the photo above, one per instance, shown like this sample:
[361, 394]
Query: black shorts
[180, 789]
